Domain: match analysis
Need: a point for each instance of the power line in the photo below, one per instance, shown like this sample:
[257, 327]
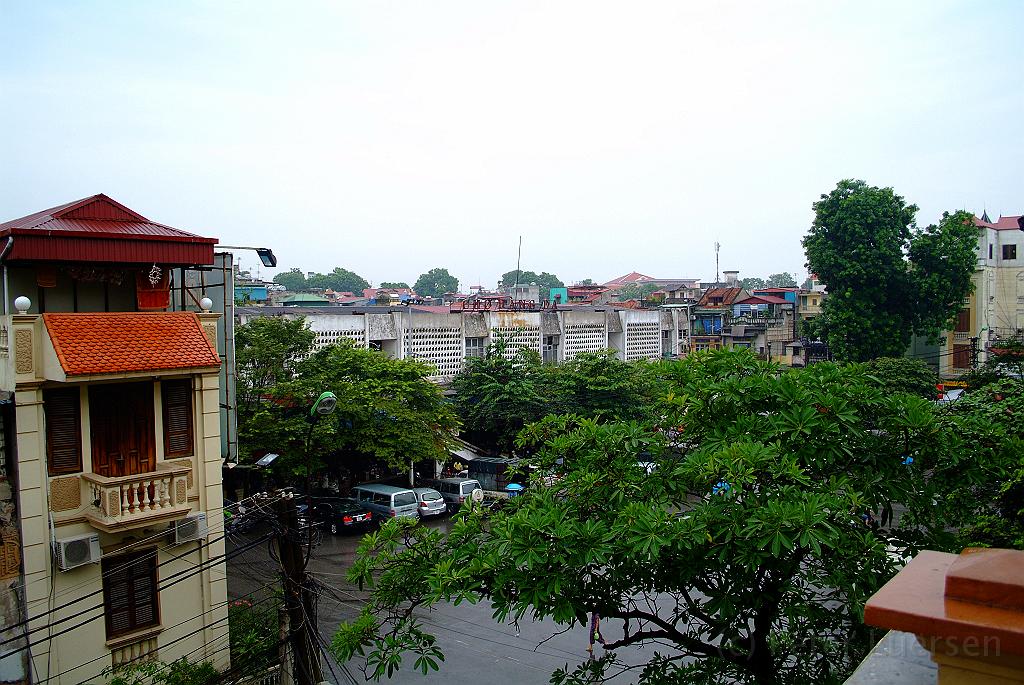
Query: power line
[176, 625]
[189, 574]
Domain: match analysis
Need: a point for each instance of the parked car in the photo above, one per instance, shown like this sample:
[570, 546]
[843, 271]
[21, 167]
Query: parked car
[457, 490]
[342, 513]
[430, 502]
[387, 500]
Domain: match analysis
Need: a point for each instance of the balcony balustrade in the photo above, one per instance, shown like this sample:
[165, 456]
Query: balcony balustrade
[124, 502]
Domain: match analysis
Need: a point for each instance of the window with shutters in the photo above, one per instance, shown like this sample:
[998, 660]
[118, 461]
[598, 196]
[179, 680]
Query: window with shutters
[130, 598]
[178, 434]
[63, 431]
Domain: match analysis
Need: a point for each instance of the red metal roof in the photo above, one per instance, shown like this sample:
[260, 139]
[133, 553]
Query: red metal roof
[99, 229]
[763, 299]
[632, 277]
[1004, 223]
[124, 342]
[719, 297]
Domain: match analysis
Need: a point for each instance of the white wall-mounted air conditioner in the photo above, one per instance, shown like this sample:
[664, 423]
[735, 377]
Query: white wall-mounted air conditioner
[190, 529]
[77, 551]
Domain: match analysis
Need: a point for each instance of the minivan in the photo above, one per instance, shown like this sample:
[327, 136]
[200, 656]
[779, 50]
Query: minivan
[456, 490]
[387, 500]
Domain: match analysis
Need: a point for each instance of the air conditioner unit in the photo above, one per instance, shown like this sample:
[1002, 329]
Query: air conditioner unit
[77, 551]
[190, 529]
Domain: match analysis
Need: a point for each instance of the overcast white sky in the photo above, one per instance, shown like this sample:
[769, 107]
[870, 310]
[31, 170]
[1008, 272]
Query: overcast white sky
[390, 138]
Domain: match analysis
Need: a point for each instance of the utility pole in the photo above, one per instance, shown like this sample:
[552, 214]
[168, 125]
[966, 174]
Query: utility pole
[974, 353]
[297, 597]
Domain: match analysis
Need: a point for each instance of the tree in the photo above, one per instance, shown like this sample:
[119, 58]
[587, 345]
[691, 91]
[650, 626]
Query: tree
[387, 408]
[600, 385]
[752, 283]
[586, 281]
[749, 549]
[339, 280]
[886, 279]
[545, 280]
[899, 374]
[293, 280]
[436, 283]
[635, 291]
[783, 280]
[394, 284]
[499, 393]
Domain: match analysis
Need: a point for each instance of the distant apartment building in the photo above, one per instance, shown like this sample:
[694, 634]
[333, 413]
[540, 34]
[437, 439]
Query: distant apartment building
[110, 443]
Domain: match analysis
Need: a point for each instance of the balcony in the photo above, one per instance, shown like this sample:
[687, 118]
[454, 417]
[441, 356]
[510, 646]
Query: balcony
[125, 502]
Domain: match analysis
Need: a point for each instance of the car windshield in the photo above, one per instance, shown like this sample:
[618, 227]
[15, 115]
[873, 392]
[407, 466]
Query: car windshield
[470, 487]
[430, 495]
[404, 498]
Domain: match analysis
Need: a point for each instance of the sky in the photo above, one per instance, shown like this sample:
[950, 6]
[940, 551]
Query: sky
[390, 138]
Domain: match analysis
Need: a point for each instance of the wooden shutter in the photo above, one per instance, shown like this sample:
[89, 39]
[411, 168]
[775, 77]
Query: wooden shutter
[63, 431]
[177, 401]
[130, 595]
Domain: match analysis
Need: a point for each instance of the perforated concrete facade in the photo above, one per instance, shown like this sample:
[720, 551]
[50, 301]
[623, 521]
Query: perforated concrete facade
[442, 347]
[331, 337]
[643, 340]
[517, 338]
[586, 337]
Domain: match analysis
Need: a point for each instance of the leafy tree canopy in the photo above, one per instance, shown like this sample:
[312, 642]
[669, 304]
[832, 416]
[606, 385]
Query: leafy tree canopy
[586, 281]
[545, 280]
[899, 374]
[387, 409]
[436, 283]
[339, 280]
[783, 280]
[293, 280]
[886, 278]
[394, 284]
[635, 291]
[749, 550]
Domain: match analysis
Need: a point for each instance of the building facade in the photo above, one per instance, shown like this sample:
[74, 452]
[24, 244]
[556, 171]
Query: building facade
[112, 422]
[995, 310]
[447, 336]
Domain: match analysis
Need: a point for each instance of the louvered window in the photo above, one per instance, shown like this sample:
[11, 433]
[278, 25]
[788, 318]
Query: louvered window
[63, 431]
[177, 400]
[130, 593]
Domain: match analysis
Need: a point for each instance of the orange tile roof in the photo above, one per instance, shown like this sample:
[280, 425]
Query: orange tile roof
[89, 344]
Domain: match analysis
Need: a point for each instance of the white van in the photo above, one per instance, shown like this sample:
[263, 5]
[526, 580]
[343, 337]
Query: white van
[456, 490]
[387, 500]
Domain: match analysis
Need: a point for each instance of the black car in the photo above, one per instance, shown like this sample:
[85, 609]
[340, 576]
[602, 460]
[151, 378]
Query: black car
[342, 513]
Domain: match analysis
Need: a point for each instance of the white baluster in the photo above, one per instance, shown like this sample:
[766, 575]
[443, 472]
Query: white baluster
[165, 491]
[147, 503]
[124, 500]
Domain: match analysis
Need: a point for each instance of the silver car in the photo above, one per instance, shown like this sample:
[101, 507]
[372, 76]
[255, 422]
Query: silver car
[429, 502]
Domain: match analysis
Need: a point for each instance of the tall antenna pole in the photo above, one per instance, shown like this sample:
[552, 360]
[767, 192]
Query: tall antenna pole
[518, 258]
[717, 246]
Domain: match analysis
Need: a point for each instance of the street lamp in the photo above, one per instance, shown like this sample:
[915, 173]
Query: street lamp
[324, 405]
[265, 254]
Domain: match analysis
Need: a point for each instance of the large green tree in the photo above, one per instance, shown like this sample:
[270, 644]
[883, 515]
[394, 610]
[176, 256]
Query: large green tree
[497, 394]
[545, 280]
[339, 280]
[436, 283]
[293, 280]
[387, 409]
[886, 278]
[744, 556]
[394, 284]
[635, 291]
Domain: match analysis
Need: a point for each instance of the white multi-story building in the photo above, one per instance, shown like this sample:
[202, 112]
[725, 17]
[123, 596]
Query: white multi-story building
[446, 337]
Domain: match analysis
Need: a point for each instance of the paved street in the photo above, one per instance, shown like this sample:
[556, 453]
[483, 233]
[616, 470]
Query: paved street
[477, 649]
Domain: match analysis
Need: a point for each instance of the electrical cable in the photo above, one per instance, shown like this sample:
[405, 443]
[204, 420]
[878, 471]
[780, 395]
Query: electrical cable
[169, 628]
[189, 574]
[136, 543]
[145, 556]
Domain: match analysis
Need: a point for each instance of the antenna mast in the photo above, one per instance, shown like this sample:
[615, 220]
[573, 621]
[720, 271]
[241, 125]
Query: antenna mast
[717, 246]
[518, 258]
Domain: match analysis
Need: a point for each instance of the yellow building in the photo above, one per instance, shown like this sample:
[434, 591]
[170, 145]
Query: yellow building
[112, 449]
[996, 308]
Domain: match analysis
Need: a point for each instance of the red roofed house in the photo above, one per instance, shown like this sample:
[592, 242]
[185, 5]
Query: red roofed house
[995, 310]
[110, 442]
